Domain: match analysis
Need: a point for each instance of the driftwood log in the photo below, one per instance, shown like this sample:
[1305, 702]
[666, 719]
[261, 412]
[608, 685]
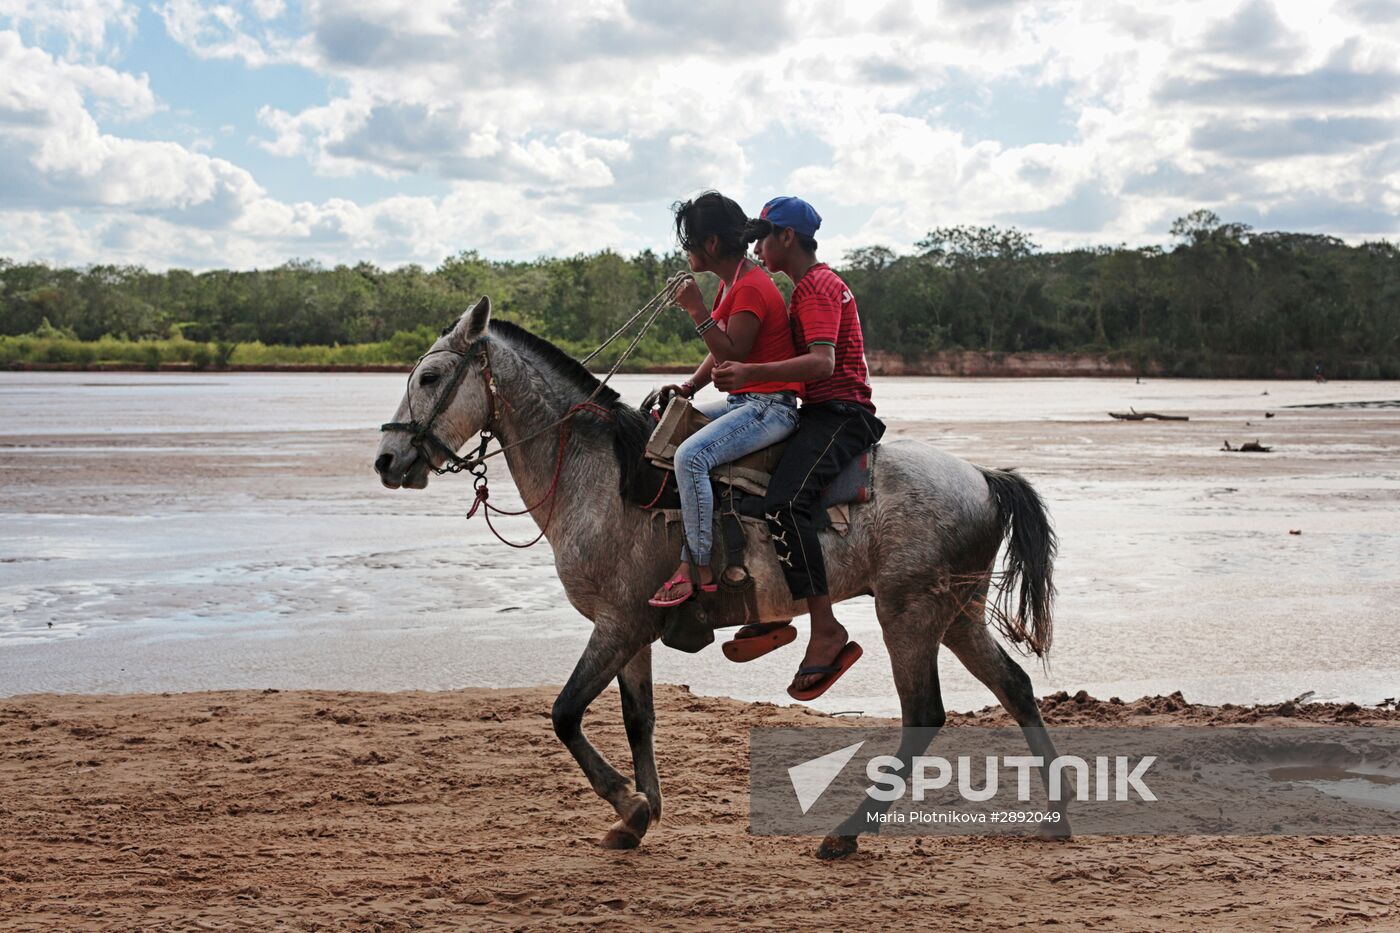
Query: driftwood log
[1249, 447]
[1132, 414]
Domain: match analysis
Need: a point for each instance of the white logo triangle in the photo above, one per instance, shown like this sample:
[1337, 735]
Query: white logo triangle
[811, 778]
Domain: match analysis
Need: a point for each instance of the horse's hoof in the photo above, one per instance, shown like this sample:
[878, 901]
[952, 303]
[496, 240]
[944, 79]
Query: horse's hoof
[620, 837]
[627, 832]
[834, 847]
[1056, 832]
[636, 814]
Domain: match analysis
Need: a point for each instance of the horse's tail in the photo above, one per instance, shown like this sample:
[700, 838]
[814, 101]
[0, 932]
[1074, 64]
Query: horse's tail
[1022, 609]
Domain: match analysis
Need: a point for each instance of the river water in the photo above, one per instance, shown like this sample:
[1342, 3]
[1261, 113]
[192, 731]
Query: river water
[170, 532]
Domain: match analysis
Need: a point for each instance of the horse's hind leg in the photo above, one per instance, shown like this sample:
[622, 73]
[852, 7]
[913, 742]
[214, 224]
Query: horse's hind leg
[970, 640]
[911, 630]
[639, 716]
[609, 649]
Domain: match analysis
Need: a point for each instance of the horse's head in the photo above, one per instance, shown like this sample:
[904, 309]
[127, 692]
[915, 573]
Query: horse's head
[447, 402]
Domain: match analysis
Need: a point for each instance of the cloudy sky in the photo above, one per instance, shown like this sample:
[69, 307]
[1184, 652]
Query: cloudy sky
[245, 134]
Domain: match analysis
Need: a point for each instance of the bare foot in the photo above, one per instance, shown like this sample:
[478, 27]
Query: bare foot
[678, 587]
[822, 649]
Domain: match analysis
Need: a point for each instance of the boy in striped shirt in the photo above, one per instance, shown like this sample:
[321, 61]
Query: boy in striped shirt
[837, 423]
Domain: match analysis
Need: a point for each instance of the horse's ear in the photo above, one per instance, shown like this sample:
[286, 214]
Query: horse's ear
[471, 325]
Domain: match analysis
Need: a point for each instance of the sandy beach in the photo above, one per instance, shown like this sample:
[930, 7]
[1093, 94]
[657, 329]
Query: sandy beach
[330, 810]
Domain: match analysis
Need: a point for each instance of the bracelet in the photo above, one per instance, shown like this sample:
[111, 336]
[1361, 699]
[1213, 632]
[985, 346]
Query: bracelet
[705, 325]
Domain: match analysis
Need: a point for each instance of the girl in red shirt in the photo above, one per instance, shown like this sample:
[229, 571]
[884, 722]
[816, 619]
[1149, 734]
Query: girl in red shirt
[749, 324]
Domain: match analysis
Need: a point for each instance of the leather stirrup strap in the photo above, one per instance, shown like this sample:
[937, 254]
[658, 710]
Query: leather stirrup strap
[734, 546]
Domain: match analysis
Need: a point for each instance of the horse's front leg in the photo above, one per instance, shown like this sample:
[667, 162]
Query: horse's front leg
[610, 647]
[639, 716]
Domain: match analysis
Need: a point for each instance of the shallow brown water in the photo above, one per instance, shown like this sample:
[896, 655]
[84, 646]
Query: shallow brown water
[167, 532]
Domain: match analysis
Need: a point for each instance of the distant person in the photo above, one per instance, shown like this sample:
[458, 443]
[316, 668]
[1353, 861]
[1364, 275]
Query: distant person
[749, 324]
[837, 423]
[1318, 374]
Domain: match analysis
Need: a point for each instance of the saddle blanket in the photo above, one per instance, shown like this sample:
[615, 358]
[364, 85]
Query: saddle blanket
[750, 474]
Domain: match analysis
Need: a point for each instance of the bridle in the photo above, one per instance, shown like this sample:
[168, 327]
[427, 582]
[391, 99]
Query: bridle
[425, 440]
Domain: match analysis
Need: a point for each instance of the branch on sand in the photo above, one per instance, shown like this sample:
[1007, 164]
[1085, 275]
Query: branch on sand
[1132, 414]
[1249, 447]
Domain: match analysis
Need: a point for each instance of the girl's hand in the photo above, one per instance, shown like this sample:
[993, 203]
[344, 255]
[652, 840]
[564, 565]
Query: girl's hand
[689, 298]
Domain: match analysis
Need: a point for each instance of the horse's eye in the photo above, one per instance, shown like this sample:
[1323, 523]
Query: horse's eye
[428, 378]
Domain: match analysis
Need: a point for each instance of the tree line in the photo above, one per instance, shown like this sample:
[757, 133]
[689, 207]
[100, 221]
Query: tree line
[1222, 300]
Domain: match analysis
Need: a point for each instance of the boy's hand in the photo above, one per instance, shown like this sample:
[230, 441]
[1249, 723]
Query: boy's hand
[729, 376]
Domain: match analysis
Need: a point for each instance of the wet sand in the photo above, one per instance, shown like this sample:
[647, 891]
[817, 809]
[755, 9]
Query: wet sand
[218, 531]
[334, 810]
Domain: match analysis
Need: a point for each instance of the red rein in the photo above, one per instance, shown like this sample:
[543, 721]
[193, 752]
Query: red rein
[482, 493]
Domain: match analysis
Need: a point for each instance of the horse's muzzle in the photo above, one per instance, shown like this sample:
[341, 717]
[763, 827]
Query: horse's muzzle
[411, 472]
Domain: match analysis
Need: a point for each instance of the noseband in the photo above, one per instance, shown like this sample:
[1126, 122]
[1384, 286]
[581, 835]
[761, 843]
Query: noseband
[424, 440]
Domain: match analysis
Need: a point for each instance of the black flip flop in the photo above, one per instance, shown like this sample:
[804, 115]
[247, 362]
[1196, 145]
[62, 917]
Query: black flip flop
[847, 656]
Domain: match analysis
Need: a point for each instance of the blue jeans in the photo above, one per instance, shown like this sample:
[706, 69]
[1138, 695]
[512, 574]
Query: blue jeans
[741, 425]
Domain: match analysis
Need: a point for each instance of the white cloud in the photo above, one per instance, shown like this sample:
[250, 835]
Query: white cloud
[1149, 91]
[268, 9]
[55, 153]
[531, 127]
[498, 220]
[35, 87]
[230, 31]
[85, 27]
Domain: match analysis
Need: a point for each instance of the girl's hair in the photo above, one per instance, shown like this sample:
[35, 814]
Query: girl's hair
[711, 214]
[759, 228]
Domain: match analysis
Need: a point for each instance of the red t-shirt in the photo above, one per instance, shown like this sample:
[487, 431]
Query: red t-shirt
[824, 311]
[755, 293]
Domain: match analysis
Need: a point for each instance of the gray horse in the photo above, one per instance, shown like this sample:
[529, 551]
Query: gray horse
[925, 546]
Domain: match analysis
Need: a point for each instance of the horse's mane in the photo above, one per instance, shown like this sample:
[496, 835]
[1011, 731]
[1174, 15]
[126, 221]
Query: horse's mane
[630, 429]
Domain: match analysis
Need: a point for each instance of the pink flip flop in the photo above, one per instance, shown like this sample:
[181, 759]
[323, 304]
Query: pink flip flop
[666, 602]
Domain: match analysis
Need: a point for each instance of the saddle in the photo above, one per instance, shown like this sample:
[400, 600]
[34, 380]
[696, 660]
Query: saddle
[739, 487]
[750, 474]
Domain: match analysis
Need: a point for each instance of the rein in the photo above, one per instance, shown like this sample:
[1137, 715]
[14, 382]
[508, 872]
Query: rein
[483, 493]
[423, 437]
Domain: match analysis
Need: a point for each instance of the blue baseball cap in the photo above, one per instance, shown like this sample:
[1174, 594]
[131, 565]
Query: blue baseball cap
[792, 212]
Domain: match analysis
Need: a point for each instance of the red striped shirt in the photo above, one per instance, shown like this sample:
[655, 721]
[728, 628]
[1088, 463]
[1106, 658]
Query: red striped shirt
[824, 311]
